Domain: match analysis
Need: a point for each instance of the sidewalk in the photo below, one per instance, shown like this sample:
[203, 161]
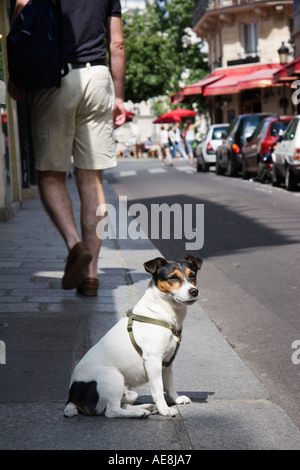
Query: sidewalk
[46, 330]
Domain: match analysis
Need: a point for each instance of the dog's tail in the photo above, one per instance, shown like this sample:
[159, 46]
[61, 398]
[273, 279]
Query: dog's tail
[70, 410]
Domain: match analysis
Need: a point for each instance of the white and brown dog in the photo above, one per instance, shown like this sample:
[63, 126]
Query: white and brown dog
[138, 349]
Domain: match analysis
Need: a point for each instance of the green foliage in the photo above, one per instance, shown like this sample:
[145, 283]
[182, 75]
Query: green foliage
[156, 54]
[148, 65]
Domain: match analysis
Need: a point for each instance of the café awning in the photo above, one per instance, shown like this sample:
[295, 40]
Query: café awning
[289, 72]
[198, 87]
[232, 80]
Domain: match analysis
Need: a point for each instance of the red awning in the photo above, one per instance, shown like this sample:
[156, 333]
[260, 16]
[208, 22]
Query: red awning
[288, 72]
[260, 78]
[232, 80]
[177, 98]
[293, 67]
[197, 88]
[243, 78]
[180, 112]
[225, 86]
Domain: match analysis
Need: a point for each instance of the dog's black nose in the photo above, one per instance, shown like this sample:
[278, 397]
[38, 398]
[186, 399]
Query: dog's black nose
[193, 292]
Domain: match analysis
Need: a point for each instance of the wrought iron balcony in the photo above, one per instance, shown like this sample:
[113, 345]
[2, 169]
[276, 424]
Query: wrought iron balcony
[203, 6]
[228, 3]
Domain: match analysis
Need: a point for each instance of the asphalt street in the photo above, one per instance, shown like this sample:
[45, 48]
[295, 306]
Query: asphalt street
[250, 282]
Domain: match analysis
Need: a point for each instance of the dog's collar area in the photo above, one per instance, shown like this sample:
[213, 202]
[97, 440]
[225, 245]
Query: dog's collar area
[153, 321]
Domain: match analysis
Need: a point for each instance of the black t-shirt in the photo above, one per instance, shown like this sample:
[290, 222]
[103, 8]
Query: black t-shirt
[84, 28]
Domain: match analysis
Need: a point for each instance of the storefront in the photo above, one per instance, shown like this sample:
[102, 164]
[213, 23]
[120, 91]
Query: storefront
[10, 159]
[239, 90]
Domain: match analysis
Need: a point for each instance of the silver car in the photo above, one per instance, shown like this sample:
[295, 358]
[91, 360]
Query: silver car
[206, 150]
[286, 157]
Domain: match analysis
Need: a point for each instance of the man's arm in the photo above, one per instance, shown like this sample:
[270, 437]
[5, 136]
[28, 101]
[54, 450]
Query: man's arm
[20, 4]
[117, 61]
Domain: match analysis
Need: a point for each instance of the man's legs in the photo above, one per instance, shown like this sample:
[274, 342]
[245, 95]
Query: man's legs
[91, 192]
[56, 199]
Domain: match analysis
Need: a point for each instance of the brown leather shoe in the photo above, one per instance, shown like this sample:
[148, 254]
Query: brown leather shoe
[88, 287]
[79, 257]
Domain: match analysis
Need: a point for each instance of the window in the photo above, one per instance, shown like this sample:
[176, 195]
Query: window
[249, 39]
[259, 131]
[250, 124]
[278, 128]
[219, 132]
[291, 130]
[233, 127]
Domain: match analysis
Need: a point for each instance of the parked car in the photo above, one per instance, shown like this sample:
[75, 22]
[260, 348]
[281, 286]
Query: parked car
[206, 150]
[229, 154]
[286, 157]
[257, 145]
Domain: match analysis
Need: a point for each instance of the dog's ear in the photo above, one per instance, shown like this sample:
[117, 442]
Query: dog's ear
[196, 262]
[153, 265]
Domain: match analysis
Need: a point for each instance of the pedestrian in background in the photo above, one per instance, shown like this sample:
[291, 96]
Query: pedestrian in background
[165, 146]
[131, 145]
[178, 146]
[78, 119]
[189, 137]
[171, 136]
[152, 147]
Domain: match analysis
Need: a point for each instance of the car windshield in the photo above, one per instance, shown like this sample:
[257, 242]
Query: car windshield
[232, 128]
[278, 128]
[260, 130]
[250, 125]
[218, 133]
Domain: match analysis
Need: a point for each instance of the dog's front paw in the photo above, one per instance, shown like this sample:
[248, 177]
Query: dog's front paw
[183, 400]
[143, 413]
[152, 408]
[169, 411]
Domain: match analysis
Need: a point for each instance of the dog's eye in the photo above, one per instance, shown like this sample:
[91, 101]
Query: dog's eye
[192, 276]
[173, 278]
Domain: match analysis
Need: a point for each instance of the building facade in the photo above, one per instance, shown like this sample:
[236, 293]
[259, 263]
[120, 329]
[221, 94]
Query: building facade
[245, 31]
[243, 37]
[296, 31]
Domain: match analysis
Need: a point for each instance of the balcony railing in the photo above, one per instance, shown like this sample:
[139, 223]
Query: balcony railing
[227, 3]
[203, 5]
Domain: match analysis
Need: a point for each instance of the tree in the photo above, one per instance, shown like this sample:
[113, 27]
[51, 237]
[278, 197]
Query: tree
[148, 64]
[159, 49]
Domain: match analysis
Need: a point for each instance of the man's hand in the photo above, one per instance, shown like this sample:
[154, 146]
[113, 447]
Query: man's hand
[15, 91]
[119, 113]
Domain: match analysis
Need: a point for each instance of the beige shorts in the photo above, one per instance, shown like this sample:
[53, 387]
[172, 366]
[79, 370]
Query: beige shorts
[75, 120]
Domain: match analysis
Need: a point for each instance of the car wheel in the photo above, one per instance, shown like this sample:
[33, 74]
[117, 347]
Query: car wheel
[205, 166]
[199, 163]
[219, 169]
[245, 174]
[276, 180]
[290, 180]
[231, 169]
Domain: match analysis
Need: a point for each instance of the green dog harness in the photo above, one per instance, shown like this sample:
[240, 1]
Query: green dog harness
[153, 321]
